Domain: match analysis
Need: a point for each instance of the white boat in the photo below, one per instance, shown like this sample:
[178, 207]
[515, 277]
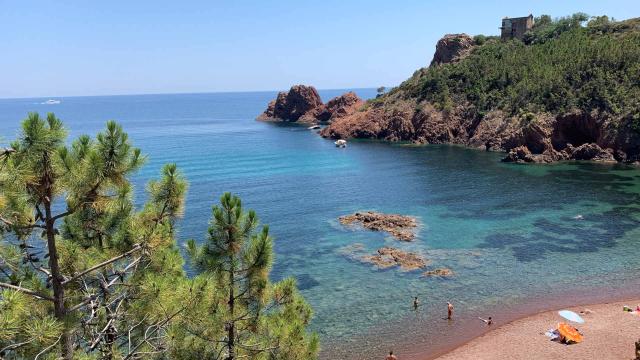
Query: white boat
[341, 143]
[51, 102]
[314, 127]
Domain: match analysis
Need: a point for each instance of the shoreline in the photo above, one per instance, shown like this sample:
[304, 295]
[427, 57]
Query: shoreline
[417, 337]
[541, 306]
[410, 143]
[609, 333]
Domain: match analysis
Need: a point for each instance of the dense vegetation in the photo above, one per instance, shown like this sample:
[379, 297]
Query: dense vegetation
[85, 274]
[560, 65]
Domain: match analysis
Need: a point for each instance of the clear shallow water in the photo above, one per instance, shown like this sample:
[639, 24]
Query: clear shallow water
[507, 231]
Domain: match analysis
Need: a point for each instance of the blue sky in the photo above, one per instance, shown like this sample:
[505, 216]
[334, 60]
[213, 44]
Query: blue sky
[58, 48]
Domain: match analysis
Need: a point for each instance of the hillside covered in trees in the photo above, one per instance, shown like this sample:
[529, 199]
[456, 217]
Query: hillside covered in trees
[570, 89]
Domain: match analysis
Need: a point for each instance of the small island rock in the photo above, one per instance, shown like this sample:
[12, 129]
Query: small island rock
[387, 257]
[399, 226]
[303, 104]
[442, 272]
[293, 105]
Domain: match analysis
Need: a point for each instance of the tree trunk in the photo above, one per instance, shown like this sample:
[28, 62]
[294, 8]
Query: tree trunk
[109, 335]
[56, 276]
[231, 344]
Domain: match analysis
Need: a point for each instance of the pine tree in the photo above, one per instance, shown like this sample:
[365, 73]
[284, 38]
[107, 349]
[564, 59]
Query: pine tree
[108, 282]
[104, 259]
[249, 316]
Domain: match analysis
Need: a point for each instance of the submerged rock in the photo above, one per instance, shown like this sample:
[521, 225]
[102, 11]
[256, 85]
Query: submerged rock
[399, 226]
[306, 281]
[442, 272]
[387, 257]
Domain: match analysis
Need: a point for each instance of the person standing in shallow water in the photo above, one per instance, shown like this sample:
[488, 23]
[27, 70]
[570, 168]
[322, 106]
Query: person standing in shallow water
[391, 356]
[416, 303]
[449, 311]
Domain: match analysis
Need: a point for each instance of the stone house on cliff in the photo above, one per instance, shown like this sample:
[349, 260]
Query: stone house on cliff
[515, 28]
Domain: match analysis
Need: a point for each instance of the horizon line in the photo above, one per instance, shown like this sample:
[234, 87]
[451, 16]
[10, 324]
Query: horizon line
[176, 93]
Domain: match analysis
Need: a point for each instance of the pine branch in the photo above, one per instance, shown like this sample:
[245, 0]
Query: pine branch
[47, 348]
[66, 213]
[136, 247]
[26, 291]
[15, 346]
[155, 327]
[87, 196]
[21, 227]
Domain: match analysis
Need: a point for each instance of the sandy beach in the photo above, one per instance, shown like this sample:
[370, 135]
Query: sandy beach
[609, 333]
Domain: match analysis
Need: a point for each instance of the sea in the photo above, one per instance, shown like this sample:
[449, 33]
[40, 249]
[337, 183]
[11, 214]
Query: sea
[518, 238]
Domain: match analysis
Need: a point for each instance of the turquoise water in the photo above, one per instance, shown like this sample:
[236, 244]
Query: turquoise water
[508, 231]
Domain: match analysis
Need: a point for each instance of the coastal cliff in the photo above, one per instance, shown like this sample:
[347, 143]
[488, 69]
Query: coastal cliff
[568, 90]
[302, 104]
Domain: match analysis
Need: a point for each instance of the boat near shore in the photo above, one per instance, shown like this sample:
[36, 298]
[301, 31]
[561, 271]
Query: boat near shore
[341, 143]
[51, 102]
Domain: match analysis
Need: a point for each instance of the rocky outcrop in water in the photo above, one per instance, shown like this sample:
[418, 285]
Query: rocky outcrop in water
[399, 226]
[452, 48]
[387, 257]
[591, 152]
[297, 103]
[441, 272]
[303, 104]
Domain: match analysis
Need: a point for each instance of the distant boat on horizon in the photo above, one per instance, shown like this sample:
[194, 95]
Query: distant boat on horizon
[51, 102]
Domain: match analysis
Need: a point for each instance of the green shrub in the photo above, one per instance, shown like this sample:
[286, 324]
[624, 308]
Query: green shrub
[479, 39]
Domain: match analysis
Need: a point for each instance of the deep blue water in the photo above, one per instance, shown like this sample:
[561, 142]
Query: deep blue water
[507, 231]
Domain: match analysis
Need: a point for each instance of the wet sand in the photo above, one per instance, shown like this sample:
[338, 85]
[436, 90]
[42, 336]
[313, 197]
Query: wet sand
[609, 333]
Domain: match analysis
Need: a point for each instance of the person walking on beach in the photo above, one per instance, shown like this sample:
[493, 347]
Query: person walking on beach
[391, 356]
[416, 303]
[449, 311]
[488, 321]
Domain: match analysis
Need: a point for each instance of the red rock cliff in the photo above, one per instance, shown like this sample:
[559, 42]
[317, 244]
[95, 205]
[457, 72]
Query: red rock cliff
[452, 48]
[303, 104]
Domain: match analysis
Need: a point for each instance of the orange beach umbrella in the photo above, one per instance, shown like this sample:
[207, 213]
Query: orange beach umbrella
[569, 333]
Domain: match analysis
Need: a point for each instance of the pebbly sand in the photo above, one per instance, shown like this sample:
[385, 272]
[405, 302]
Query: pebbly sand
[609, 333]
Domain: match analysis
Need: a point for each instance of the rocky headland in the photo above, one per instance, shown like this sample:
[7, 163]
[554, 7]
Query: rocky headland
[302, 104]
[400, 227]
[556, 95]
[411, 112]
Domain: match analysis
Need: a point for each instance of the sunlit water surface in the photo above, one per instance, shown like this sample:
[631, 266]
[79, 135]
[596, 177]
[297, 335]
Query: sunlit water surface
[510, 233]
